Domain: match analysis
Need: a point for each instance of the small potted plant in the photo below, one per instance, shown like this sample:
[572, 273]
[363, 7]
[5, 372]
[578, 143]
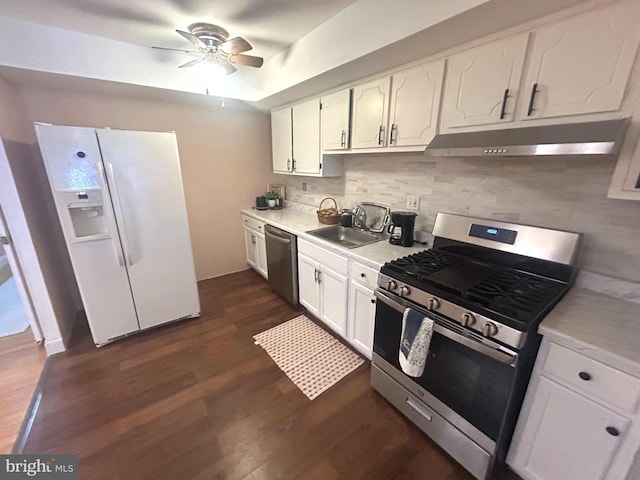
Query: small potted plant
[271, 197]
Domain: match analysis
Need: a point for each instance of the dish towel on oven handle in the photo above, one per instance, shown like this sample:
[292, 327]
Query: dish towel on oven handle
[414, 342]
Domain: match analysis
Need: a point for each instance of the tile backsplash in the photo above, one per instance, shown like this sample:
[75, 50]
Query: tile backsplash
[554, 192]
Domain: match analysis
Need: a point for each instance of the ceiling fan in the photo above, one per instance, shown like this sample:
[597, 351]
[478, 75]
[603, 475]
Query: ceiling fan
[215, 47]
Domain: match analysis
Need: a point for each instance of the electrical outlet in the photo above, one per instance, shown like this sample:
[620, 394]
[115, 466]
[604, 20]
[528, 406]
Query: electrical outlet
[413, 202]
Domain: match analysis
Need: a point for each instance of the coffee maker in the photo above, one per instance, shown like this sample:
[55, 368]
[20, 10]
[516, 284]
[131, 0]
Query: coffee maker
[401, 228]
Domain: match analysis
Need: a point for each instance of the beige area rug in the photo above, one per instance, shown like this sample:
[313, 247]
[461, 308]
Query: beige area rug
[309, 356]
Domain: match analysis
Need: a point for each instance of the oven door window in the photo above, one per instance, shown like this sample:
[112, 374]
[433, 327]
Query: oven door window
[475, 386]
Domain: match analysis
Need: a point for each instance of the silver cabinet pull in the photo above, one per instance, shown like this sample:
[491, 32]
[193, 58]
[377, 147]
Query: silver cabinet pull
[534, 90]
[381, 135]
[504, 104]
[392, 138]
[343, 139]
[288, 165]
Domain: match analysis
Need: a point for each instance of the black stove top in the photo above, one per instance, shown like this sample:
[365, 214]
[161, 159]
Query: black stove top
[513, 296]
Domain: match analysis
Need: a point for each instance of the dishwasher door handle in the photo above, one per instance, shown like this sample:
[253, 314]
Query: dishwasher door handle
[277, 238]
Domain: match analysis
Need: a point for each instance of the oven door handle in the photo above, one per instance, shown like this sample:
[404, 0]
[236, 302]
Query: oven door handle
[500, 355]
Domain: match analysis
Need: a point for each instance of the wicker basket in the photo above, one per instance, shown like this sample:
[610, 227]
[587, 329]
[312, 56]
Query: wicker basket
[328, 216]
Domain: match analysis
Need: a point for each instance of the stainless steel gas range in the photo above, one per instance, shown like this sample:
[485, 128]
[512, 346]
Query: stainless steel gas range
[486, 285]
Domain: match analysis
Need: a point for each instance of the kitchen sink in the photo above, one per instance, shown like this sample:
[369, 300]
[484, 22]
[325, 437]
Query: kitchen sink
[347, 237]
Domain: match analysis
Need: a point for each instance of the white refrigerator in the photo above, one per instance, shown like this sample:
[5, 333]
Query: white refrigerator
[121, 205]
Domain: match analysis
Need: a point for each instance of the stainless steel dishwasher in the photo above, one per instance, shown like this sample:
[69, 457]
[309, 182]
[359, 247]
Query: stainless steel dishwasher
[282, 262]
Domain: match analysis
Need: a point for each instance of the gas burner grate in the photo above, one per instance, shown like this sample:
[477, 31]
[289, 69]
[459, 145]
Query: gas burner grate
[516, 294]
[421, 264]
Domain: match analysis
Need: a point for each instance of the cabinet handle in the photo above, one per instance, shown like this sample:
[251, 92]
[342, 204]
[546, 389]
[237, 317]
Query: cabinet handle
[319, 277]
[288, 164]
[343, 139]
[613, 431]
[504, 103]
[373, 300]
[394, 129]
[253, 239]
[315, 275]
[293, 164]
[380, 135]
[363, 275]
[534, 90]
[584, 376]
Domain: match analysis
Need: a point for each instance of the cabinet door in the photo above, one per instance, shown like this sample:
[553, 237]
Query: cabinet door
[281, 140]
[251, 242]
[581, 65]
[261, 255]
[306, 136]
[477, 80]
[334, 117]
[362, 312]
[415, 100]
[566, 436]
[333, 301]
[308, 287]
[370, 112]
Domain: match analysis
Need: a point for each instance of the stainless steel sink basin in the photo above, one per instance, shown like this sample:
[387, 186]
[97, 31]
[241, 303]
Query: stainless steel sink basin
[347, 237]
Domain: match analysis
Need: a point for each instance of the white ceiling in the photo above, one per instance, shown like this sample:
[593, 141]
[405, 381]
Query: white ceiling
[309, 45]
[269, 25]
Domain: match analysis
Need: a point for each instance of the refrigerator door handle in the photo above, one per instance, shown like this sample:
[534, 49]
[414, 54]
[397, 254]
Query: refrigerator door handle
[122, 228]
[112, 223]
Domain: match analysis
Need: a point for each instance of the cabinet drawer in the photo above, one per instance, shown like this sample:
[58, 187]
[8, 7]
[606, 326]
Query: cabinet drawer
[250, 222]
[335, 262]
[595, 379]
[365, 275]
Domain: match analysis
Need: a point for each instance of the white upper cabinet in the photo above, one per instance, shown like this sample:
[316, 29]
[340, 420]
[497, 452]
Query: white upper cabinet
[281, 140]
[306, 137]
[370, 114]
[295, 140]
[581, 65]
[482, 83]
[334, 116]
[415, 100]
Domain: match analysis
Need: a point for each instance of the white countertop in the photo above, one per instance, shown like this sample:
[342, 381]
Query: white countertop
[294, 221]
[599, 326]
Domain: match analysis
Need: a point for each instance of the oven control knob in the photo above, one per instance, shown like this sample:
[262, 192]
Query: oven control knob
[489, 329]
[433, 303]
[391, 285]
[467, 319]
[404, 291]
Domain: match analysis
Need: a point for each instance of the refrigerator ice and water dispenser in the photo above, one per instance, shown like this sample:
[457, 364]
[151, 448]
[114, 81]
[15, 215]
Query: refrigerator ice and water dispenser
[86, 212]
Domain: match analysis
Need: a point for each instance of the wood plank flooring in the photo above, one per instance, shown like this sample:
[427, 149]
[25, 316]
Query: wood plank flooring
[198, 400]
[21, 361]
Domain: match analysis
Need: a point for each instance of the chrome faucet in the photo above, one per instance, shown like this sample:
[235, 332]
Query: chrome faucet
[359, 217]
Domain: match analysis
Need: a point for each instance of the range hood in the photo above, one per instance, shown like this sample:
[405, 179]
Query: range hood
[592, 138]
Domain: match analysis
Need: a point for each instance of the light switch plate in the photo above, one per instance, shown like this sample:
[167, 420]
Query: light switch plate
[413, 202]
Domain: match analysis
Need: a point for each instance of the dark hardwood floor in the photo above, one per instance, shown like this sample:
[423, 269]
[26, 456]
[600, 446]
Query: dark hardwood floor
[198, 400]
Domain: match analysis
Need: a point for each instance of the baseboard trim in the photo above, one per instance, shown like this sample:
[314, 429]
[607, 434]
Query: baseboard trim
[54, 346]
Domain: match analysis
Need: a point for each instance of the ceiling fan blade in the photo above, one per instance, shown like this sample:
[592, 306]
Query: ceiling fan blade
[191, 63]
[248, 60]
[228, 67]
[175, 50]
[236, 45]
[193, 39]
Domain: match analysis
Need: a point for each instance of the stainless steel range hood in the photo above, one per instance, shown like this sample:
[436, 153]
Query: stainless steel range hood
[592, 138]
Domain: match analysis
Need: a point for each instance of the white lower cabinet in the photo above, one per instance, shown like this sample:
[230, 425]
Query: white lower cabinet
[323, 285]
[255, 245]
[362, 312]
[566, 430]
